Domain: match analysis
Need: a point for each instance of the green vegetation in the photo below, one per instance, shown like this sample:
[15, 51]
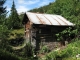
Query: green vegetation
[15, 33]
[11, 31]
[2, 12]
[3, 28]
[67, 34]
[13, 22]
[6, 51]
[5, 55]
[68, 53]
[44, 49]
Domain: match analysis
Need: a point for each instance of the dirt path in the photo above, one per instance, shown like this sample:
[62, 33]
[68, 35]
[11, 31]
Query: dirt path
[19, 47]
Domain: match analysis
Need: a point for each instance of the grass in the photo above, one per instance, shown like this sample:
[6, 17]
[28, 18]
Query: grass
[71, 58]
[69, 53]
[16, 33]
[5, 55]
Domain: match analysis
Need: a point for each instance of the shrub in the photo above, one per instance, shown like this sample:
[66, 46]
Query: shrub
[44, 49]
[51, 55]
[70, 51]
[5, 55]
[29, 51]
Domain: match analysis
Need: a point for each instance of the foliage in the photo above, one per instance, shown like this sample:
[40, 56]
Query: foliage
[3, 36]
[71, 58]
[21, 19]
[13, 20]
[16, 33]
[3, 30]
[70, 51]
[44, 49]
[2, 11]
[67, 33]
[5, 55]
[3, 27]
[16, 37]
[6, 52]
[51, 55]
[29, 50]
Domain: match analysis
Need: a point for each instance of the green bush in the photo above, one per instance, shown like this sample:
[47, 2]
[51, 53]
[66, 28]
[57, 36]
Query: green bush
[51, 55]
[66, 52]
[59, 54]
[44, 49]
[29, 50]
[70, 51]
[5, 55]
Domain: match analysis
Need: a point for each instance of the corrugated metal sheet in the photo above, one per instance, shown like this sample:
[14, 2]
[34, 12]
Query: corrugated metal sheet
[48, 19]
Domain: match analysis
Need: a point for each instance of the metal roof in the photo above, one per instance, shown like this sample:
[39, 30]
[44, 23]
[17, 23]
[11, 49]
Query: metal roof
[48, 19]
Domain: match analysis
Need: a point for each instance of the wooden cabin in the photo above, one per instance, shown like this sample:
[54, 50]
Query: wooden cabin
[40, 29]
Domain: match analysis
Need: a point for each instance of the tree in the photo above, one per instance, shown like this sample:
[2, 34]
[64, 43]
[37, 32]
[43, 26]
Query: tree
[13, 21]
[2, 11]
[2, 14]
[21, 18]
[3, 28]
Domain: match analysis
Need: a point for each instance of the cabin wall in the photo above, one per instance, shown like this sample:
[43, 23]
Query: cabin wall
[41, 35]
[52, 41]
[28, 31]
[45, 35]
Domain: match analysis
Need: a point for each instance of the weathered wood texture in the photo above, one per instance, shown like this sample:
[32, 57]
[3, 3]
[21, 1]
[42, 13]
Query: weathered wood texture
[42, 34]
[28, 31]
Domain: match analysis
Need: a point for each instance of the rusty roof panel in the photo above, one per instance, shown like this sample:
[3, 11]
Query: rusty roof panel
[48, 19]
[43, 19]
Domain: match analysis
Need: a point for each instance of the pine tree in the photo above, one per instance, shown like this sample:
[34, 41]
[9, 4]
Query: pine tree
[2, 18]
[2, 11]
[3, 28]
[14, 21]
